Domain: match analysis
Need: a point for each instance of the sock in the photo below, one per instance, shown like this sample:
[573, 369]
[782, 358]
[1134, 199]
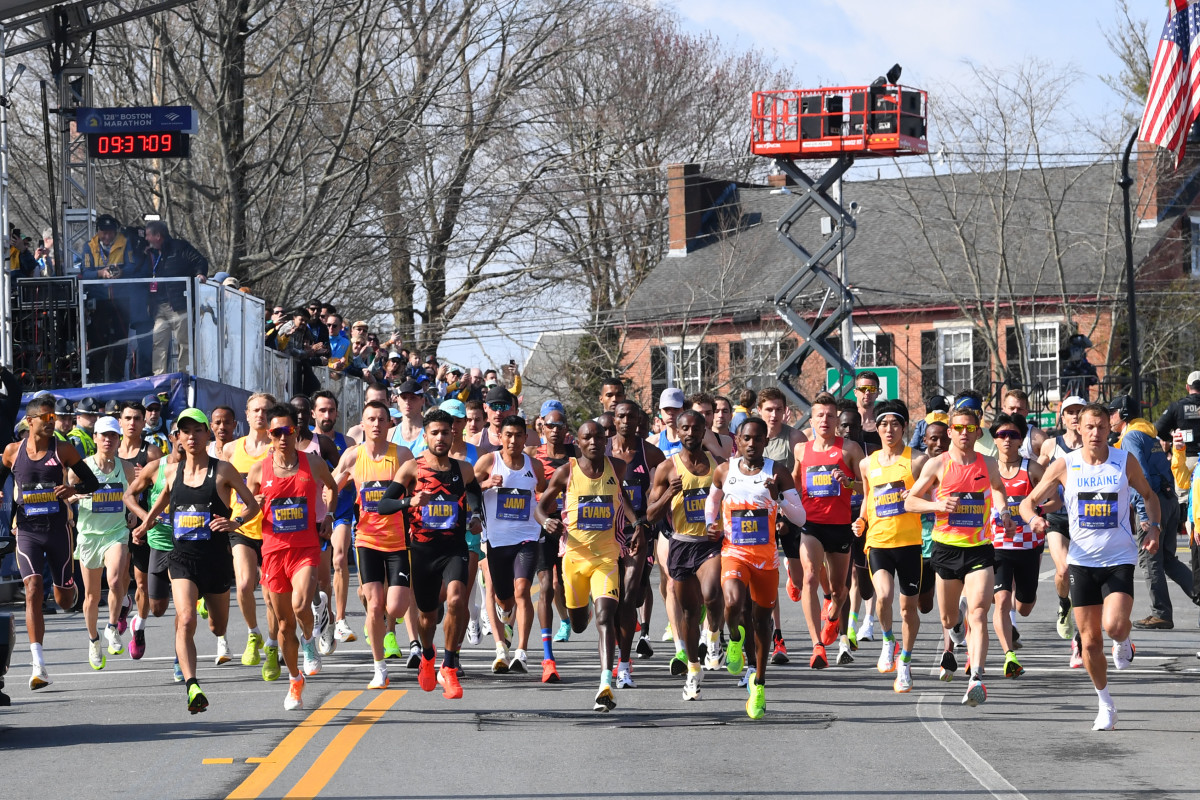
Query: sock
[450, 659]
[139, 623]
[1012, 616]
[776, 634]
[427, 652]
[977, 675]
[254, 631]
[271, 642]
[888, 636]
[192, 682]
[305, 640]
[852, 619]
[679, 645]
[1105, 697]
[35, 649]
[1064, 604]
[547, 649]
[606, 678]
[126, 602]
[112, 626]
[94, 638]
[381, 666]
[296, 677]
[905, 656]
[693, 668]
[622, 666]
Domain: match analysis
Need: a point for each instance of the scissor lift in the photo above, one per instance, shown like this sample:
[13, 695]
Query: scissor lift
[844, 123]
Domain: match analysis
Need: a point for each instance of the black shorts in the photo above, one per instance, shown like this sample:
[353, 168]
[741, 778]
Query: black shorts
[37, 548]
[139, 556]
[858, 551]
[928, 578]
[952, 563]
[158, 579]
[509, 563]
[548, 556]
[834, 538]
[236, 538]
[378, 566]
[1017, 571]
[903, 563]
[1090, 585]
[433, 566]
[684, 558]
[1059, 523]
[789, 539]
[212, 573]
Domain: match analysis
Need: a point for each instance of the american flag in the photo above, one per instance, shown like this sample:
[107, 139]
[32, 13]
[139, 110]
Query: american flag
[1174, 97]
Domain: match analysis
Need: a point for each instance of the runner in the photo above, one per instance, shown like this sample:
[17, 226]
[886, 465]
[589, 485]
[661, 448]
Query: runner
[893, 538]
[612, 391]
[510, 480]
[1096, 481]
[136, 453]
[828, 470]
[101, 544]
[966, 487]
[936, 440]
[462, 450]
[156, 429]
[242, 454]
[437, 491]
[325, 413]
[594, 510]
[499, 403]
[681, 487]
[476, 421]
[223, 422]
[38, 465]
[288, 481]
[378, 394]
[746, 494]
[410, 433]
[552, 454]
[381, 552]
[866, 392]
[200, 563]
[722, 414]
[862, 588]
[1016, 404]
[717, 444]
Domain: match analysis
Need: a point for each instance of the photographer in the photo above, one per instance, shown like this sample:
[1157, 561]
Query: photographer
[21, 263]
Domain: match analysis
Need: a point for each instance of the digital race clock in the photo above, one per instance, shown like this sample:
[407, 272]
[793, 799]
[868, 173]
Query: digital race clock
[139, 145]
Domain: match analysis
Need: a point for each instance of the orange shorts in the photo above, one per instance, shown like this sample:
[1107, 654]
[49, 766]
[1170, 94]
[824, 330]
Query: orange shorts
[762, 583]
[279, 567]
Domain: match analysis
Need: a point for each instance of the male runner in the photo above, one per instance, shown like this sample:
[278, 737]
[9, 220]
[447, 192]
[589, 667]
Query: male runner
[476, 421]
[325, 413]
[746, 494]
[38, 465]
[827, 469]
[681, 486]
[862, 588]
[223, 422]
[594, 509]
[409, 434]
[967, 487]
[499, 403]
[201, 522]
[136, 453]
[1058, 536]
[377, 394]
[437, 492]
[287, 481]
[1016, 404]
[866, 392]
[612, 391]
[552, 454]
[1096, 481]
[718, 445]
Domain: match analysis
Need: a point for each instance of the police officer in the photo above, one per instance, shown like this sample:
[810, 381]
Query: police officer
[1184, 415]
[82, 434]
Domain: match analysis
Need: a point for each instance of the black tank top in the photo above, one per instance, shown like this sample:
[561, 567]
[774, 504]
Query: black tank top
[636, 482]
[38, 510]
[140, 459]
[445, 516]
[192, 510]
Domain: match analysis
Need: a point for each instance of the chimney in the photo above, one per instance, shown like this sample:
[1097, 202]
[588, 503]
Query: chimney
[779, 180]
[683, 207]
[1150, 164]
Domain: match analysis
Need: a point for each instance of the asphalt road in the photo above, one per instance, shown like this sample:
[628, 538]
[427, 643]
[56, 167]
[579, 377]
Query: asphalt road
[125, 731]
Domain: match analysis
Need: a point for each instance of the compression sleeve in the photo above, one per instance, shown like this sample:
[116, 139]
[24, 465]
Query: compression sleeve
[474, 494]
[5, 472]
[793, 508]
[87, 479]
[393, 499]
[712, 507]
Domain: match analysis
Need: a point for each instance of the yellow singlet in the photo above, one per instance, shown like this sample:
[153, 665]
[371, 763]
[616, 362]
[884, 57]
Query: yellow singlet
[242, 462]
[687, 507]
[888, 524]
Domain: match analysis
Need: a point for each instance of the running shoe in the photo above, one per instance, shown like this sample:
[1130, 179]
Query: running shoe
[112, 638]
[270, 664]
[819, 659]
[473, 633]
[519, 663]
[312, 659]
[485, 626]
[903, 683]
[976, 693]
[96, 655]
[756, 704]
[1106, 719]
[137, 644]
[605, 701]
[380, 679]
[691, 687]
[1016, 637]
[549, 671]
[843, 656]
[715, 656]
[253, 655]
[625, 679]
[668, 634]
[949, 666]
[1065, 622]
[1012, 667]
[1076, 653]
[223, 656]
[295, 695]
[40, 678]
[734, 658]
[866, 632]
[793, 591]
[564, 632]
[123, 616]
[197, 702]
[391, 648]
[327, 642]
[747, 679]
[447, 678]
[320, 609]
[414, 656]
[427, 673]
[852, 636]
[202, 610]
[887, 658]
[679, 663]
[500, 663]
[643, 649]
[343, 632]
[957, 635]
[779, 653]
[505, 616]
[829, 630]
[178, 672]
[1123, 653]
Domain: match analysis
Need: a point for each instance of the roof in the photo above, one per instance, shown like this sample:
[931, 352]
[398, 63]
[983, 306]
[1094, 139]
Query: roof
[912, 238]
[544, 376]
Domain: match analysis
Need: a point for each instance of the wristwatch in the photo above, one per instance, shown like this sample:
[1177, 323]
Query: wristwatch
[238, 520]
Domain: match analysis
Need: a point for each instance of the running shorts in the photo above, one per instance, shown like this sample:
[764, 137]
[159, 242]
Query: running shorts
[953, 563]
[90, 548]
[859, 565]
[212, 574]
[158, 581]
[1059, 523]
[1090, 585]
[904, 564]
[510, 563]
[928, 579]
[684, 558]
[834, 538]
[379, 566]
[281, 566]
[35, 549]
[585, 576]
[139, 555]
[236, 538]
[1017, 571]
[434, 566]
[789, 539]
[548, 556]
[762, 583]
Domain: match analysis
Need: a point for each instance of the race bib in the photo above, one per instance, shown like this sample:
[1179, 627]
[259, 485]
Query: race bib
[693, 505]
[595, 513]
[164, 517]
[108, 499]
[38, 499]
[370, 494]
[889, 499]
[513, 504]
[1013, 504]
[440, 515]
[969, 513]
[289, 515]
[819, 482]
[190, 524]
[1097, 510]
[749, 526]
[633, 491]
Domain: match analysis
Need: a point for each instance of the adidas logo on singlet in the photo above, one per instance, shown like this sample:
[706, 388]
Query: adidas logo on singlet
[528, 474]
[610, 482]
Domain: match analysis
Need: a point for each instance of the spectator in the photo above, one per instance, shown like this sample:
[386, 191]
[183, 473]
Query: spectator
[107, 257]
[21, 262]
[339, 342]
[747, 400]
[296, 340]
[316, 322]
[137, 296]
[277, 320]
[45, 254]
[393, 373]
[171, 258]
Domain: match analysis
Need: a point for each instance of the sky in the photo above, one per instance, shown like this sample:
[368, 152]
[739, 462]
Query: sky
[850, 42]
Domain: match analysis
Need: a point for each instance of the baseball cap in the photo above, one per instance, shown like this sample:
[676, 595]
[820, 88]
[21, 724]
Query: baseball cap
[1194, 379]
[232, 283]
[220, 277]
[88, 405]
[394, 413]
[194, 414]
[152, 400]
[409, 387]
[107, 425]
[968, 402]
[454, 408]
[63, 406]
[1073, 400]
[1121, 402]
[107, 222]
[671, 398]
[937, 402]
[498, 394]
[552, 405]
[394, 356]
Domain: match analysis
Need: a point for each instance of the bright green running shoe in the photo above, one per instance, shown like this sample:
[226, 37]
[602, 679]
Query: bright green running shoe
[733, 653]
[756, 704]
[391, 648]
[679, 664]
[197, 702]
[252, 656]
[202, 608]
[852, 634]
[270, 667]
[1012, 667]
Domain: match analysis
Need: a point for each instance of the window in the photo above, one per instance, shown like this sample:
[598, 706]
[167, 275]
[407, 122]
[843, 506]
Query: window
[952, 360]
[1042, 342]
[762, 362]
[958, 367]
[874, 350]
[691, 369]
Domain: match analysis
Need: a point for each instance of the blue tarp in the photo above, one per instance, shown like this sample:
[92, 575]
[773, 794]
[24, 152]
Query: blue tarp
[175, 385]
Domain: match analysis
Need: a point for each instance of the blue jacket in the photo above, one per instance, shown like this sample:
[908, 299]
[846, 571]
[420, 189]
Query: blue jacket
[1153, 461]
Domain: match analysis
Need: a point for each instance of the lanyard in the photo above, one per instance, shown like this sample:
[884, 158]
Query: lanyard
[154, 266]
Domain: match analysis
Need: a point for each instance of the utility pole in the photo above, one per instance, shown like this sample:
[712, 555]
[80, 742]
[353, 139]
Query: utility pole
[847, 326]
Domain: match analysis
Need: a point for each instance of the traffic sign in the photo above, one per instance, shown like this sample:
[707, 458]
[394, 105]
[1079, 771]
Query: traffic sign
[137, 119]
[889, 382]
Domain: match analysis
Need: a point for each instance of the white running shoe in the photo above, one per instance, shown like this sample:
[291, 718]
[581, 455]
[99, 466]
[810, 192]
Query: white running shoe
[343, 632]
[380, 679]
[668, 634]
[976, 693]
[223, 656]
[843, 656]
[295, 695]
[40, 678]
[1106, 719]
[903, 682]
[312, 659]
[473, 634]
[500, 663]
[691, 687]
[866, 631]
[113, 638]
[505, 617]
[327, 642]
[519, 663]
[1122, 654]
[625, 680]
[96, 654]
[484, 625]
[887, 658]
[715, 658]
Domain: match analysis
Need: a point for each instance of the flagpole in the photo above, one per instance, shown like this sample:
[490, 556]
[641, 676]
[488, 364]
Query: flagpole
[1135, 361]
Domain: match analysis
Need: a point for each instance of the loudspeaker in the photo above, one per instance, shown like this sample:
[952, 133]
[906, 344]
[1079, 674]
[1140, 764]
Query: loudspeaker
[833, 108]
[810, 127]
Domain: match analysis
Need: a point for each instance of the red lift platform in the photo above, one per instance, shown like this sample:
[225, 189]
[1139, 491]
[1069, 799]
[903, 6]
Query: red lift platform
[823, 123]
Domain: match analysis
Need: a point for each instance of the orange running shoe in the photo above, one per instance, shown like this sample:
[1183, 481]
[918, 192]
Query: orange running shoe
[448, 678]
[819, 660]
[829, 631]
[549, 671]
[427, 674]
[793, 590]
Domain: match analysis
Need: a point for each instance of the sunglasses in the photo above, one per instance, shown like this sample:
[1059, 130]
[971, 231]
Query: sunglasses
[279, 433]
[964, 428]
[49, 416]
[333, 325]
[499, 406]
[1013, 435]
[359, 327]
[554, 424]
[867, 389]
[277, 311]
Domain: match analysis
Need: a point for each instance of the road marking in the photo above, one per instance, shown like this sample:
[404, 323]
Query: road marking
[1046, 575]
[257, 760]
[929, 709]
[217, 761]
[268, 770]
[335, 753]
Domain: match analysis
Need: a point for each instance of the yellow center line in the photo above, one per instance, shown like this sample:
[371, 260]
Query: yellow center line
[217, 761]
[332, 757]
[274, 764]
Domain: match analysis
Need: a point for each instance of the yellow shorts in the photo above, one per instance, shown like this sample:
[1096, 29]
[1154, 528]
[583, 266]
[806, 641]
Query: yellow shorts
[585, 575]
